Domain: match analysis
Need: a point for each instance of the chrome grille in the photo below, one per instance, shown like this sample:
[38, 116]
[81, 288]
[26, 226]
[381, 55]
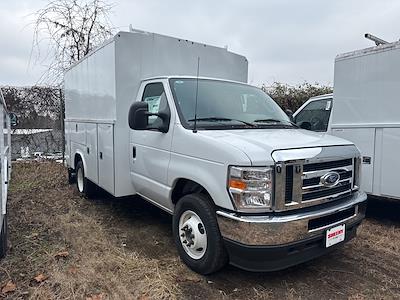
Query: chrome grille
[298, 182]
[314, 189]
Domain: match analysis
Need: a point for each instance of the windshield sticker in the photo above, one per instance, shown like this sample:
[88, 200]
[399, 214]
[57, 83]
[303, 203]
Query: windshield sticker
[154, 103]
[328, 105]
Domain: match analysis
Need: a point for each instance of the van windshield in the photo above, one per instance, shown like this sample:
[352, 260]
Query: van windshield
[222, 104]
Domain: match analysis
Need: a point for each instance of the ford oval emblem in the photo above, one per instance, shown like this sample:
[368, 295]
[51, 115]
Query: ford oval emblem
[330, 179]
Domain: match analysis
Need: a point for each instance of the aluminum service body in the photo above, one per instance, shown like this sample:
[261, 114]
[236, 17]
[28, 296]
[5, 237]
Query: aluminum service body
[99, 91]
[5, 162]
[365, 110]
[101, 88]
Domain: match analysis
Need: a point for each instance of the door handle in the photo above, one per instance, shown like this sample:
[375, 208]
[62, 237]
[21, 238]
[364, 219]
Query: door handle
[134, 152]
[101, 155]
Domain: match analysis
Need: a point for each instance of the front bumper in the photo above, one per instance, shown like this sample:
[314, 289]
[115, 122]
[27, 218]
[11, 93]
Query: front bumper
[277, 241]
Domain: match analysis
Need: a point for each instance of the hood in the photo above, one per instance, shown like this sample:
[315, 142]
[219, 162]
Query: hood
[258, 144]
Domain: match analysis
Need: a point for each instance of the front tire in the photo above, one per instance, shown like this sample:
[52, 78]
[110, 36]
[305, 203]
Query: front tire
[197, 235]
[85, 186]
[3, 237]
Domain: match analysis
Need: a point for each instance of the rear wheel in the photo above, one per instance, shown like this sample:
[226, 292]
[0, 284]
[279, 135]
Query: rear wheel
[197, 235]
[3, 237]
[71, 176]
[85, 186]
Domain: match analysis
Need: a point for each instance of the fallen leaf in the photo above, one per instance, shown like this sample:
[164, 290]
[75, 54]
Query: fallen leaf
[33, 235]
[40, 278]
[72, 270]
[144, 297]
[62, 254]
[194, 279]
[9, 287]
[95, 297]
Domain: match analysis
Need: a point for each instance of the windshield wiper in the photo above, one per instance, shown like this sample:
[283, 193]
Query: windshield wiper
[217, 119]
[267, 121]
[275, 121]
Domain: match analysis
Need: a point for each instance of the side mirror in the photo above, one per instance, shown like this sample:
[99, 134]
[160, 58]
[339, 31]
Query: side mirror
[289, 113]
[165, 116]
[305, 125]
[13, 119]
[137, 117]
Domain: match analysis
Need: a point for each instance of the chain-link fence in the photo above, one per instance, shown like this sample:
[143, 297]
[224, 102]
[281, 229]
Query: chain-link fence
[40, 130]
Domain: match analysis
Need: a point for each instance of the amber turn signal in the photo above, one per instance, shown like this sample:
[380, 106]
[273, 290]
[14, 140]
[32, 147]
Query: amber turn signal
[237, 184]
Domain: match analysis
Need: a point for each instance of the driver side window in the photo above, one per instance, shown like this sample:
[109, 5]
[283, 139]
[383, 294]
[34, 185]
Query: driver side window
[154, 96]
[315, 115]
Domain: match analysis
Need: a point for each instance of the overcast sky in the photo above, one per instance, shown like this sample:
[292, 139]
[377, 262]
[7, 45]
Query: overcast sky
[286, 41]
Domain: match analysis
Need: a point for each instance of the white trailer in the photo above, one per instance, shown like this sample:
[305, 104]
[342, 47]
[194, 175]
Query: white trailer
[364, 108]
[175, 122]
[5, 172]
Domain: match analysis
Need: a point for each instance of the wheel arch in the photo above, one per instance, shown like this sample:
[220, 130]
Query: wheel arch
[78, 156]
[184, 186]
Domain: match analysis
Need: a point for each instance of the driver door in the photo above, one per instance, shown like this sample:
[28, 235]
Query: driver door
[150, 148]
[315, 115]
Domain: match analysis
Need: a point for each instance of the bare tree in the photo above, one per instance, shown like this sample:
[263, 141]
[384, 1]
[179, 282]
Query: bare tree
[70, 29]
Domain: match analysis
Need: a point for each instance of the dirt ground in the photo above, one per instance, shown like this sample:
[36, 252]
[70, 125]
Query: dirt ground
[63, 246]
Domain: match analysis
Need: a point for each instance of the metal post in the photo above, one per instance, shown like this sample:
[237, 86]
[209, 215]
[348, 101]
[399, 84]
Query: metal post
[62, 107]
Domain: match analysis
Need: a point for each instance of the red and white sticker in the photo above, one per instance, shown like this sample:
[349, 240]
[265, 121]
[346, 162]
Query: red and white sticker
[335, 235]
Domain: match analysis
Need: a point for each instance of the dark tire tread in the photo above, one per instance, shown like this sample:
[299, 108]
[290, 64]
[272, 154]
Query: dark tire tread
[3, 237]
[71, 177]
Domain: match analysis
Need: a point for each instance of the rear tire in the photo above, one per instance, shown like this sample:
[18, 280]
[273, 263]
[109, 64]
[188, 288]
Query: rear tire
[197, 236]
[3, 237]
[71, 176]
[85, 187]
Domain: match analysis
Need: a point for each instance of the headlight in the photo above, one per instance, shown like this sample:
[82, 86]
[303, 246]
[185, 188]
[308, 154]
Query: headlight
[250, 187]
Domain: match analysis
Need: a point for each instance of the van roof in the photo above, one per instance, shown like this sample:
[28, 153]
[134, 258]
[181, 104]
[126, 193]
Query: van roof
[369, 50]
[193, 77]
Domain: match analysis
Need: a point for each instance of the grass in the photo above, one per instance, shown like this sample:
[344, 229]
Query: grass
[123, 249]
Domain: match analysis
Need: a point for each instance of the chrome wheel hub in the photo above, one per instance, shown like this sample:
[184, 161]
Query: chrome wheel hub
[192, 234]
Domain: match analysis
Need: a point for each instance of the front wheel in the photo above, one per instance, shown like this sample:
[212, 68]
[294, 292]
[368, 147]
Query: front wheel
[197, 235]
[3, 237]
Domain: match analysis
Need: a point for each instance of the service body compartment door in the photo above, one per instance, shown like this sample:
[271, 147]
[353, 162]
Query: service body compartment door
[67, 133]
[105, 156]
[390, 163]
[364, 139]
[91, 171]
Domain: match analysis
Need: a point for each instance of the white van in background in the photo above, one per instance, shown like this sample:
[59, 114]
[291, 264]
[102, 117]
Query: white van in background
[365, 109]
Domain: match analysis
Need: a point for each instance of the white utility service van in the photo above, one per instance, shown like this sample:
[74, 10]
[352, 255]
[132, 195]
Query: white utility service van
[364, 108]
[5, 171]
[175, 122]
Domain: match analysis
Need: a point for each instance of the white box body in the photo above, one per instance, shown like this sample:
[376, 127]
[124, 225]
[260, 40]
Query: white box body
[100, 88]
[365, 111]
